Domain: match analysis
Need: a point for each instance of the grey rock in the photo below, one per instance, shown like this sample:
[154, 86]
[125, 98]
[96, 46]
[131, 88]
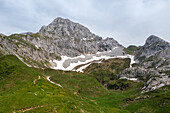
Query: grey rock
[155, 83]
[26, 33]
[62, 37]
[155, 53]
[73, 39]
[153, 64]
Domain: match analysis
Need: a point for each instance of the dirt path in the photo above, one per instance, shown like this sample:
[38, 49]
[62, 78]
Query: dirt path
[37, 79]
[31, 108]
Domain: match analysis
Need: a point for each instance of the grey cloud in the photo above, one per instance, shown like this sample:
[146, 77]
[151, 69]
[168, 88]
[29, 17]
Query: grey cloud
[128, 21]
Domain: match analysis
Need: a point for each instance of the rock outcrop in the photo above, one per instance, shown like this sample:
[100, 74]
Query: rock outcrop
[152, 64]
[155, 53]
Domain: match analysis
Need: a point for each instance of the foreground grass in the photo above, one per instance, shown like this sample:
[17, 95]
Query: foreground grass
[26, 89]
[156, 101]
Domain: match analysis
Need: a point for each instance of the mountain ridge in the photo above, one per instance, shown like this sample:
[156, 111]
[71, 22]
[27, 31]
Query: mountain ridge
[61, 37]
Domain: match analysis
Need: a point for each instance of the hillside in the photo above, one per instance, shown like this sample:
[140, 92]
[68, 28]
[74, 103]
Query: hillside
[27, 89]
[66, 68]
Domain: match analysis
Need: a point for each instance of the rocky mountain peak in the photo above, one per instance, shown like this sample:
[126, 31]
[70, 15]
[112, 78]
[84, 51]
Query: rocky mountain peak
[153, 39]
[60, 27]
[154, 53]
[73, 39]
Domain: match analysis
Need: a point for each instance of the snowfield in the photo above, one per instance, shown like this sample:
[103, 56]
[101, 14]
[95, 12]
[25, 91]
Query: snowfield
[69, 63]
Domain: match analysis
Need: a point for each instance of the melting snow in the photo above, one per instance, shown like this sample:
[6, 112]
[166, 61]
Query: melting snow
[93, 58]
[48, 78]
[82, 67]
[36, 46]
[132, 79]
[69, 63]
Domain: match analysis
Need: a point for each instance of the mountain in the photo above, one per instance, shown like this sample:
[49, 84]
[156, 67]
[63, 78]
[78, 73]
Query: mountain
[73, 39]
[26, 89]
[155, 53]
[152, 64]
[60, 38]
[66, 45]
[66, 68]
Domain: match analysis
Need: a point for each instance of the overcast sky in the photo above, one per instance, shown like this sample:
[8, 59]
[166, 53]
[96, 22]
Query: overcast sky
[127, 21]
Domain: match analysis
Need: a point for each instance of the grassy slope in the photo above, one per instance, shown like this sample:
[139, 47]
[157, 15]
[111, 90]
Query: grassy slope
[77, 82]
[109, 100]
[130, 49]
[156, 101]
[81, 93]
[114, 65]
[20, 89]
[107, 71]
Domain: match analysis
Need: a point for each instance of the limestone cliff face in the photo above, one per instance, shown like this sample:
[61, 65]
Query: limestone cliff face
[62, 37]
[153, 64]
[73, 39]
[155, 53]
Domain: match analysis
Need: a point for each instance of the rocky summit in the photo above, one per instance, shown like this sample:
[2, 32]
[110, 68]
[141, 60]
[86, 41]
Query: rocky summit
[73, 39]
[154, 53]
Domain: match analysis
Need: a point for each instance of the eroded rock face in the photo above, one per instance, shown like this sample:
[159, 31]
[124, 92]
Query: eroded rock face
[24, 50]
[155, 53]
[73, 39]
[153, 64]
[156, 82]
[62, 37]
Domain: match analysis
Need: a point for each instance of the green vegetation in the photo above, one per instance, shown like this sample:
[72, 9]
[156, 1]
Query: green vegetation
[78, 83]
[156, 101]
[120, 84]
[35, 35]
[1, 53]
[106, 71]
[25, 89]
[115, 65]
[130, 49]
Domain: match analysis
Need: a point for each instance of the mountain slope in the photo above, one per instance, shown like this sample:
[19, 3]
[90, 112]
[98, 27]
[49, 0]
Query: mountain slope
[25, 89]
[61, 38]
[152, 64]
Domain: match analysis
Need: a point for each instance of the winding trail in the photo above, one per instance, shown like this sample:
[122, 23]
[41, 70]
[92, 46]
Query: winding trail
[31, 108]
[36, 79]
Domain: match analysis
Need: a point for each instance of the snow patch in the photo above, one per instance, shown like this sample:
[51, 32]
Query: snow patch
[48, 78]
[82, 67]
[37, 46]
[132, 79]
[84, 39]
